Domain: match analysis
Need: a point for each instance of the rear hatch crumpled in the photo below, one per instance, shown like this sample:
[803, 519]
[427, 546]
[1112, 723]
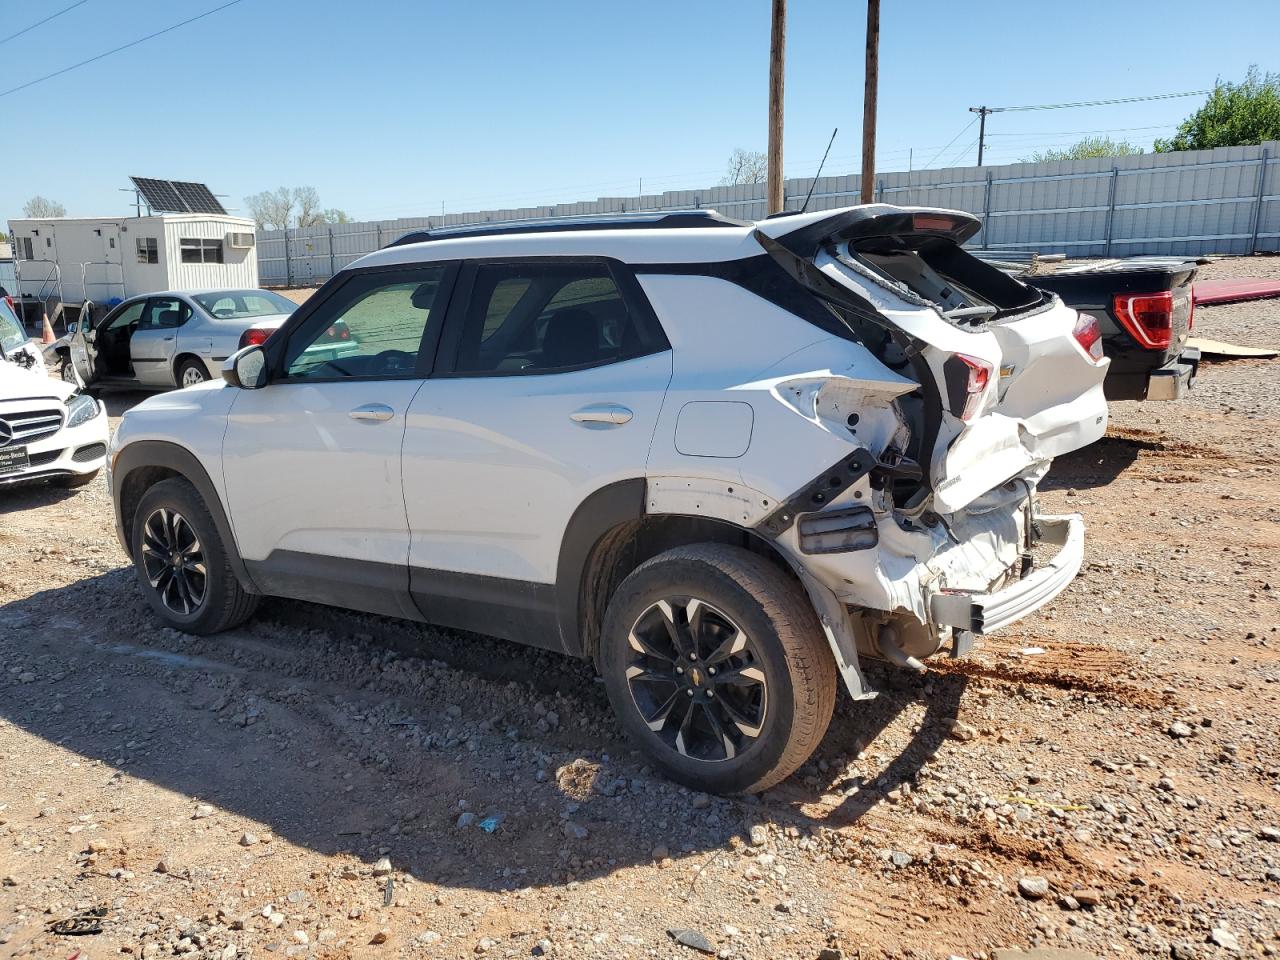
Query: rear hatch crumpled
[1007, 381]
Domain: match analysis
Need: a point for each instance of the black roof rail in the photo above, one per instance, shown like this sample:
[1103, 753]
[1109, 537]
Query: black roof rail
[674, 219]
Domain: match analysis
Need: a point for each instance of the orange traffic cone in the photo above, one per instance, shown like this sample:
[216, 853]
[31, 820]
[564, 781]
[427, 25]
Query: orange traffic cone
[47, 336]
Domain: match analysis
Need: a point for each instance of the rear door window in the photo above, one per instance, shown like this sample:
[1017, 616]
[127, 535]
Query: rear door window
[535, 318]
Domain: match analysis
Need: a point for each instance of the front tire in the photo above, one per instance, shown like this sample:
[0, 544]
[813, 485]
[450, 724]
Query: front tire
[191, 373]
[68, 372]
[182, 563]
[717, 668]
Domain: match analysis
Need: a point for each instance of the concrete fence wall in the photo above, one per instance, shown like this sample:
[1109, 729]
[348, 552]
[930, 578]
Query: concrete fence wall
[1195, 202]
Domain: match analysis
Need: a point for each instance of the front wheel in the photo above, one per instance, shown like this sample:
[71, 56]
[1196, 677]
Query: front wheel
[192, 372]
[182, 563]
[68, 372]
[717, 667]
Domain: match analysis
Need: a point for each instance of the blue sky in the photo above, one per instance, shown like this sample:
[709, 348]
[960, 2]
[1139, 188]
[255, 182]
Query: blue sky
[391, 107]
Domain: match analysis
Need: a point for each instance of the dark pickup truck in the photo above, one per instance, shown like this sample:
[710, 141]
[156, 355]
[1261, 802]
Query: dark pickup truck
[1145, 308]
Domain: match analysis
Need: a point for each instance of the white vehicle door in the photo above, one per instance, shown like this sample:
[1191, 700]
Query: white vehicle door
[153, 344]
[312, 460]
[550, 381]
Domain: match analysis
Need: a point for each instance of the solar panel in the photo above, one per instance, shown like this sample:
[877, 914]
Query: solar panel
[177, 196]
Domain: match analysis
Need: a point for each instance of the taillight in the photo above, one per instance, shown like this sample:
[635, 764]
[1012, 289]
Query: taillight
[253, 336]
[967, 381]
[1089, 335]
[1147, 316]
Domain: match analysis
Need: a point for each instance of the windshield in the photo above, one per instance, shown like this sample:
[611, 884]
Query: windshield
[12, 335]
[244, 304]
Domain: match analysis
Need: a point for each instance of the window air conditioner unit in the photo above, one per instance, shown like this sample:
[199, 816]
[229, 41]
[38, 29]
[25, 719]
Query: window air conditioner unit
[240, 241]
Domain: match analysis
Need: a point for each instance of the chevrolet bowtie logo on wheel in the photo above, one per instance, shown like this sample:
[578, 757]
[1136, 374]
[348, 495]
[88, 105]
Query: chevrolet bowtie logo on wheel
[6, 433]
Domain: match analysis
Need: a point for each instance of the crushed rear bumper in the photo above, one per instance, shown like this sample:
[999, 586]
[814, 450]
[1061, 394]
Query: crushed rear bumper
[984, 612]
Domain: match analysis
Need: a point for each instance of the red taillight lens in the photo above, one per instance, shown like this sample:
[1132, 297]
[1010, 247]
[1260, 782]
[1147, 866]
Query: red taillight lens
[977, 377]
[253, 336]
[1147, 316]
[1089, 335]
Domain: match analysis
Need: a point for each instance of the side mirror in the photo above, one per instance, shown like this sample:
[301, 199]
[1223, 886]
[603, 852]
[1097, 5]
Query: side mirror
[246, 369]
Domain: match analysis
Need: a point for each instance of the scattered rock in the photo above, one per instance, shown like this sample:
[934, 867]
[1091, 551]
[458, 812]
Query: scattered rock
[694, 939]
[467, 819]
[485, 944]
[1180, 730]
[382, 936]
[960, 730]
[759, 835]
[1270, 833]
[575, 831]
[382, 868]
[202, 811]
[1088, 897]
[248, 839]
[1033, 888]
[1224, 938]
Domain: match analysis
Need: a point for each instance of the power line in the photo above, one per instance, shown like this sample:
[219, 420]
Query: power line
[953, 140]
[1070, 133]
[1099, 103]
[126, 46]
[14, 36]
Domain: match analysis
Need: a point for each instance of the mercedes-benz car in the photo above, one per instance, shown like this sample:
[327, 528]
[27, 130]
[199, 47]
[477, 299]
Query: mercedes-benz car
[168, 339]
[48, 429]
[721, 460]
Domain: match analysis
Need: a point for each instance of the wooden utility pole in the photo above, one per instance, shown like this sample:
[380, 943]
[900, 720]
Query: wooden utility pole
[777, 52]
[869, 102]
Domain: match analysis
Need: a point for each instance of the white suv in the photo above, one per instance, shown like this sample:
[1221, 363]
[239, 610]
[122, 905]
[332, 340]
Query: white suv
[722, 460]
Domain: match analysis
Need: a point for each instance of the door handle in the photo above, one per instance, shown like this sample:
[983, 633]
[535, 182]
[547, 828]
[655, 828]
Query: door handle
[375, 412]
[167, 339]
[613, 414]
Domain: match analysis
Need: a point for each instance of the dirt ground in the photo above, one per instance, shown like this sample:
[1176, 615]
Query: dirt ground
[1103, 776]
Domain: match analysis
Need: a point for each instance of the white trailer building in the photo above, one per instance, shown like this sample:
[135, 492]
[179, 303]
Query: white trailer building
[102, 259]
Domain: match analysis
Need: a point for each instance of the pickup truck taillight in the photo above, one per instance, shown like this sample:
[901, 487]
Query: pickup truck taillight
[1089, 335]
[1147, 316]
[252, 337]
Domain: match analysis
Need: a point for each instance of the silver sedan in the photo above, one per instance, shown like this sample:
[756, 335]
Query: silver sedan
[169, 339]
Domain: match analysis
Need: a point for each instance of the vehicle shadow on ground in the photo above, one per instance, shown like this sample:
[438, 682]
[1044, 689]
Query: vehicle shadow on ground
[1095, 465]
[19, 497]
[351, 734]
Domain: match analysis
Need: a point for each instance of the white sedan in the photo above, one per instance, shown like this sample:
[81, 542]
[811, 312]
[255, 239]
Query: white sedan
[169, 339]
[48, 430]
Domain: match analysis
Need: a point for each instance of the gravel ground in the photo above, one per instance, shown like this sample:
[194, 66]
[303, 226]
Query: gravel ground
[1103, 776]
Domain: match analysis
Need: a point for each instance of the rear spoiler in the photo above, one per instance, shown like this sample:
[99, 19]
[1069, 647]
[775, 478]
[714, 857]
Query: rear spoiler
[805, 234]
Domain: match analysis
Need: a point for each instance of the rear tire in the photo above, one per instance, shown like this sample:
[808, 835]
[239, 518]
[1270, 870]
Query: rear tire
[717, 668]
[182, 563]
[192, 372]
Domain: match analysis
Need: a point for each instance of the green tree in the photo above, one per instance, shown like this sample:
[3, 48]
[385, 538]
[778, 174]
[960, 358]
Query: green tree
[1088, 147]
[1234, 115]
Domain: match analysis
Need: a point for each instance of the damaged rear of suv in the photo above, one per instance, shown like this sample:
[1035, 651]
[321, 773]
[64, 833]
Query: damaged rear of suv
[722, 460]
